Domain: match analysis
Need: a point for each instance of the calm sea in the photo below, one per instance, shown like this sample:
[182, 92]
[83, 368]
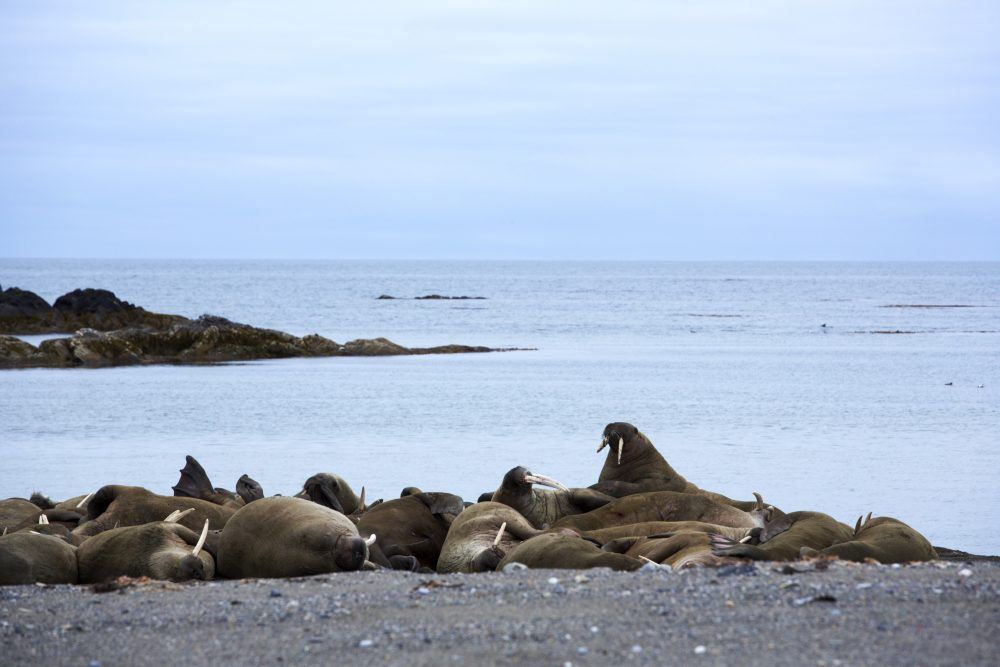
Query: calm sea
[727, 367]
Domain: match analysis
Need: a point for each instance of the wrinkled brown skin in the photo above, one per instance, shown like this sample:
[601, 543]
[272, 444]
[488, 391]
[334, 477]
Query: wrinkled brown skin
[156, 550]
[658, 506]
[26, 558]
[194, 483]
[647, 528]
[289, 537]
[469, 545]
[564, 550]
[544, 508]
[783, 538]
[644, 469]
[680, 550]
[15, 511]
[331, 491]
[414, 525]
[886, 540]
[134, 506]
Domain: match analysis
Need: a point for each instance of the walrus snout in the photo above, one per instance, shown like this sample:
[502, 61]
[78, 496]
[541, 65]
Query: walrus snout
[352, 552]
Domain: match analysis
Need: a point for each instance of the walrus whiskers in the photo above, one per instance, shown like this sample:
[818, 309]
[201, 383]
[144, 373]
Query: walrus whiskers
[86, 499]
[496, 540]
[201, 540]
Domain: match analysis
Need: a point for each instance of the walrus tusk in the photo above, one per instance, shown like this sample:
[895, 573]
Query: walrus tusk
[371, 540]
[201, 540]
[177, 515]
[496, 540]
[5, 530]
[43, 520]
[604, 443]
[544, 480]
[621, 443]
[745, 539]
[759, 505]
[86, 499]
[867, 519]
[361, 501]
[857, 525]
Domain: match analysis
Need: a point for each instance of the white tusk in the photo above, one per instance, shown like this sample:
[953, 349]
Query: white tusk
[361, 500]
[177, 515]
[648, 560]
[604, 443]
[496, 540]
[85, 500]
[5, 530]
[371, 539]
[43, 520]
[201, 540]
[745, 539]
[621, 443]
[544, 480]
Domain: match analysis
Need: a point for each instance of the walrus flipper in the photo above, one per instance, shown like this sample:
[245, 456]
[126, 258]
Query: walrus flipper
[194, 481]
[589, 499]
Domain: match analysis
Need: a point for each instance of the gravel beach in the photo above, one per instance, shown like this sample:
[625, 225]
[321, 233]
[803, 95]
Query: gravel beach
[797, 614]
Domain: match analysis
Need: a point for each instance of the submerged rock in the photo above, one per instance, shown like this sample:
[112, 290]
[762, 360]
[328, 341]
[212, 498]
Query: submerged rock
[209, 339]
[24, 312]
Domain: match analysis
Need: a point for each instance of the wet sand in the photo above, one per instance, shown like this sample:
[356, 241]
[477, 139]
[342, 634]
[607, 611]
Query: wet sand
[933, 614]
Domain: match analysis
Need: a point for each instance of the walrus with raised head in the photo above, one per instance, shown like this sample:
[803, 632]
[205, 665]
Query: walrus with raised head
[633, 465]
[481, 536]
[289, 537]
[659, 506]
[884, 539]
[544, 508]
[160, 550]
[415, 525]
[31, 558]
[564, 549]
[331, 491]
[783, 537]
[116, 506]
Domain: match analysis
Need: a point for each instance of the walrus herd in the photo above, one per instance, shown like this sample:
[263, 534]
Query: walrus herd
[640, 511]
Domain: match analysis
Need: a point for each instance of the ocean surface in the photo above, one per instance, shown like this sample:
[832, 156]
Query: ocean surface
[727, 367]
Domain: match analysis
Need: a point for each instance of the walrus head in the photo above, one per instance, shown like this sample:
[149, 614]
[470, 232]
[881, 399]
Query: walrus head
[248, 489]
[521, 479]
[621, 436]
[330, 491]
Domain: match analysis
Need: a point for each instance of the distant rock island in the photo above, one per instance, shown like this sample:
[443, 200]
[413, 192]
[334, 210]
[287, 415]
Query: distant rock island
[432, 297]
[112, 332]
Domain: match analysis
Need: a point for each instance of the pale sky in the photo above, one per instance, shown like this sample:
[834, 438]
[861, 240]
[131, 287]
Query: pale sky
[509, 130]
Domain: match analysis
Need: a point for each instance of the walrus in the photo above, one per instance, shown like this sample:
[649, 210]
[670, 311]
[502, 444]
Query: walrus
[634, 465]
[647, 528]
[659, 506]
[566, 550]
[55, 521]
[194, 483]
[30, 558]
[414, 525]
[289, 537]
[119, 506]
[14, 511]
[782, 538]
[681, 549]
[543, 508]
[160, 550]
[884, 539]
[481, 536]
[331, 491]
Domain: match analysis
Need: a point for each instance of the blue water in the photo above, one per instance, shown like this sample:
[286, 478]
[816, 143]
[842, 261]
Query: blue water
[725, 366]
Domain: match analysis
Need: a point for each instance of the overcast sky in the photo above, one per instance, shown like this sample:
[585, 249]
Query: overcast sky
[535, 130]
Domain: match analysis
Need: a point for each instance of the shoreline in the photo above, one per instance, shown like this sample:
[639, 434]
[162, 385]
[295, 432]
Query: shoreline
[768, 613]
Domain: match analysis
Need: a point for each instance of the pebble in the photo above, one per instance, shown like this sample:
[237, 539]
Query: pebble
[366, 643]
[636, 648]
[965, 572]
[699, 649]
[553, 581]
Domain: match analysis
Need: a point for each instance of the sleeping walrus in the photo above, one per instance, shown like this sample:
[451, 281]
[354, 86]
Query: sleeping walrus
[659, 506]
[160, 550]
[884, 539]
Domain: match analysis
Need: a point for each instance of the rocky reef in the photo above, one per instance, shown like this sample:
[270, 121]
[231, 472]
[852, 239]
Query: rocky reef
[208, 339]
[112, 332]
[24, 312]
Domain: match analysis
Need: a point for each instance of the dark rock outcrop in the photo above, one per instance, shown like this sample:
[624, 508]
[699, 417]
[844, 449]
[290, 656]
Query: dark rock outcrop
[23, 312]
[208, 339]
